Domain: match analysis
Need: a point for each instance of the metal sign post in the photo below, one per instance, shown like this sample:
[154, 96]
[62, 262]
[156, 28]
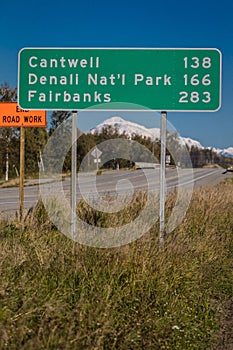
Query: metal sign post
[21, 178]
[73, 173]
[162, 177]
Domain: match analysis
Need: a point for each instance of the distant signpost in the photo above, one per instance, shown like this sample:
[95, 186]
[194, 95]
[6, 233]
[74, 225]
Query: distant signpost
[96, 153]
[157, 79]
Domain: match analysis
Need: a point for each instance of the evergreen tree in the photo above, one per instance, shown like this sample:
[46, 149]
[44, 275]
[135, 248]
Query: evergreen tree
[7, 94]
[85, 143]
[35, 141]
[9, 137]
[57, 118]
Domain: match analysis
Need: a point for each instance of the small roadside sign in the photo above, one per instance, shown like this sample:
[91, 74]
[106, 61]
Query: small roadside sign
[96, 153]
[11, 115]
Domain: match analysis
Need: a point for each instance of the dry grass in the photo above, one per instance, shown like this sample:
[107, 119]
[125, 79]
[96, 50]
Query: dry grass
[134, 297]
[10, 183]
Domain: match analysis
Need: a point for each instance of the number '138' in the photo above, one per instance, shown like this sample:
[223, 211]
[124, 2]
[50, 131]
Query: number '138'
[196, 62]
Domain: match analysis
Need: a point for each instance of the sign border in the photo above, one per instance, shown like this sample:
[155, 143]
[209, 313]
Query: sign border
[126, 48]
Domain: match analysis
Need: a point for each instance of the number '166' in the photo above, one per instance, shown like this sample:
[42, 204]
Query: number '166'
[195, 80]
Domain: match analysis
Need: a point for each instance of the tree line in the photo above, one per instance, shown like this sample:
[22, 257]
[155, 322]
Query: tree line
[37, 138]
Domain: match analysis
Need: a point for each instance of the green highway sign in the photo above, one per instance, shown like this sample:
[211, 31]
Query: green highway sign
[120, 79]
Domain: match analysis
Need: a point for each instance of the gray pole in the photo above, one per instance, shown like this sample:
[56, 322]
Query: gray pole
[21, 172]
[97, 161]
[162, 176]
[73, 173]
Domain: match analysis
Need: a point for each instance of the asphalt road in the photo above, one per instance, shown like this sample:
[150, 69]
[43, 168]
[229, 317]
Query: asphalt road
[111, 182]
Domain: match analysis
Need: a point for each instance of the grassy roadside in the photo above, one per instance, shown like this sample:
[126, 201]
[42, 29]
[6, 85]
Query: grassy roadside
[29, 181]
[133, 297]
[10, 183]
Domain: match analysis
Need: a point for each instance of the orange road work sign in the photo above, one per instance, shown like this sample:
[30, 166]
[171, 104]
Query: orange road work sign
[12, 115]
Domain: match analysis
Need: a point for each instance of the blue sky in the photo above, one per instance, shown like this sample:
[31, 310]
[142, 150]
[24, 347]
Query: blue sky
[148, 23]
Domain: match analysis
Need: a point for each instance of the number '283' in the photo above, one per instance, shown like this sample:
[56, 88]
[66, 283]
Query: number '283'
[194, 97]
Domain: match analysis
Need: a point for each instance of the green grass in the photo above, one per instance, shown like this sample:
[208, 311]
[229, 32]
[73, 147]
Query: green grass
[55, 294]
[229, 180]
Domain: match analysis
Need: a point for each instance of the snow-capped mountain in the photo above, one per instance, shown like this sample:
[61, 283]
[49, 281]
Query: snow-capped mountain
[190, 142]
[226, 152]
[127, 127]
[130, 129]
